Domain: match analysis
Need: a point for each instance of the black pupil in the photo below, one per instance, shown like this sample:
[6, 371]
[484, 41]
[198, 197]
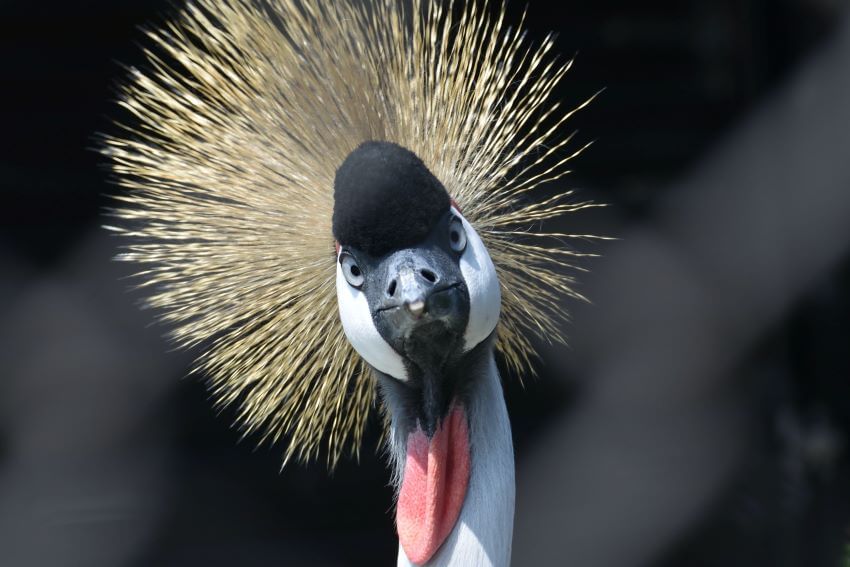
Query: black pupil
[355, 270]
[455, 236]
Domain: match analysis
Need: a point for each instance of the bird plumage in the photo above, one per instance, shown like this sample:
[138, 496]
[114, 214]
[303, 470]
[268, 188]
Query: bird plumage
[236, 128]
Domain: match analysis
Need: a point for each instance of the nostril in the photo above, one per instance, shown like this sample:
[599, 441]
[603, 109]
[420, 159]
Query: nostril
[391, 289]
[429, 275]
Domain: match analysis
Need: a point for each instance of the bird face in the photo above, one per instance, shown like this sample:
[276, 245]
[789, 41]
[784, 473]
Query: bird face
[415, 285]
[412, 311]
[417, 298]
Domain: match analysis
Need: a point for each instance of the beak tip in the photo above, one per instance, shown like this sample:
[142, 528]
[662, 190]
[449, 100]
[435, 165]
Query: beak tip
[416, 308]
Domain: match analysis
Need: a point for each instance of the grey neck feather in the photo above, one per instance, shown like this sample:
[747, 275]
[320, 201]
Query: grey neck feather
[483, 533]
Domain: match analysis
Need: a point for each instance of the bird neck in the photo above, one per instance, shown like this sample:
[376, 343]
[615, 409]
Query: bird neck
[483, 533]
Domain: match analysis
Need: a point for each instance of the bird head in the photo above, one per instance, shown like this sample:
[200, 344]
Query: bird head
[226, 163]
[415, 285]
[417, 293]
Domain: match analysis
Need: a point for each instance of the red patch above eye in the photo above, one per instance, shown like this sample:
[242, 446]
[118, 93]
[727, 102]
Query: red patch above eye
[455, 205]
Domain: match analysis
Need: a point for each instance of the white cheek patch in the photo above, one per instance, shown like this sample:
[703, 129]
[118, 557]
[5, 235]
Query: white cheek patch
[361, 331]
[485, 297]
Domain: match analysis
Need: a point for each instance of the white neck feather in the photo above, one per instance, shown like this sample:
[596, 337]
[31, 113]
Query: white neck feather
[483, 533]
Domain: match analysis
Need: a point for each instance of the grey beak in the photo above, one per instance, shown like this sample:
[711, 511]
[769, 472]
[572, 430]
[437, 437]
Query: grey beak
[414, 284]
[420, 305]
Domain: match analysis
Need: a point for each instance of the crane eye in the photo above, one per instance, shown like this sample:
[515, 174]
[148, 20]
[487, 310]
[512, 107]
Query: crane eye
[352, 272]
[457, 235]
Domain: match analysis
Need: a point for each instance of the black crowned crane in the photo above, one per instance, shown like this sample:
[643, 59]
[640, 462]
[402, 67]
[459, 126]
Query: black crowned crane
[333, 200]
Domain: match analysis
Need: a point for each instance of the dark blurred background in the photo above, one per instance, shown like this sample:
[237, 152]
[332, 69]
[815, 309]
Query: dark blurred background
[700, 416]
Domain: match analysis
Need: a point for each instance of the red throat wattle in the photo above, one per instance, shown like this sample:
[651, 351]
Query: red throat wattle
[436, 474]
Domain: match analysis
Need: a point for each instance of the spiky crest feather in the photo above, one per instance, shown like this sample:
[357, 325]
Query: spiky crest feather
[246, 111]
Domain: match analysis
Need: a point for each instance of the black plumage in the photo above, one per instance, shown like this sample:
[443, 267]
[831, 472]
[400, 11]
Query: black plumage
[385, 199]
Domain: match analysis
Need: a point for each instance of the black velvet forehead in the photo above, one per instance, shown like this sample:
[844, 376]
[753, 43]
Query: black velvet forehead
[385, 199]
